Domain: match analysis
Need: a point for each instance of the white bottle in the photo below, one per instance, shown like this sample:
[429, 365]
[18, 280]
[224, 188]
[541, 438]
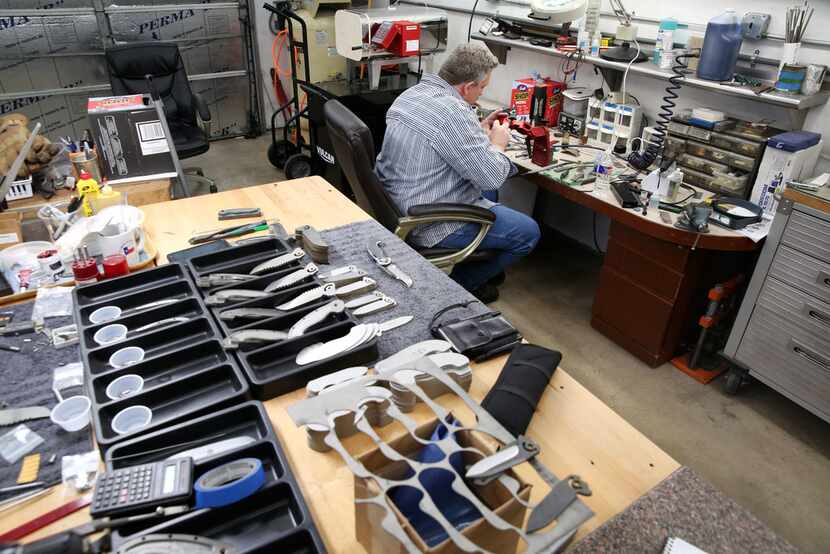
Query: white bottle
[675, 180]
[667, 49]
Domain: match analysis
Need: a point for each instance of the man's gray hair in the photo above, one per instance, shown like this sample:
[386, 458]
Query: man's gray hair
[468, 63]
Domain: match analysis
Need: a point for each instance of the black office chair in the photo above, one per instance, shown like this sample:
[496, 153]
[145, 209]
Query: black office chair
[355, 153]
[128, 66]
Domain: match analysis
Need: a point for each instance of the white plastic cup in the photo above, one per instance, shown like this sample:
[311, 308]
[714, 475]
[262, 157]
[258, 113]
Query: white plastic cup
[126, 357]
[110, 334]
[71, 414]
[105, 314]
[125, 386]
[132, 419]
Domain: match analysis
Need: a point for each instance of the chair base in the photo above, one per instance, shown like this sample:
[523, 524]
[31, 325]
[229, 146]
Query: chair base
[196, 183]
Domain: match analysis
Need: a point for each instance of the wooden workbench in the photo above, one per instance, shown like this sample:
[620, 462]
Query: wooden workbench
[576, 431]
[652, 269]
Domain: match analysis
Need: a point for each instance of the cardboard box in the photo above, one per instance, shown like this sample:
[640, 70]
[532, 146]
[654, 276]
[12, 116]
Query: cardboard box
[129, 139]
[368, 517]
[522, 97]
[778, 167]
[10, 231]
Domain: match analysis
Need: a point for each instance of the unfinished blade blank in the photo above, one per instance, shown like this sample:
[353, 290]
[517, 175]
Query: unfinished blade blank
[248, 313]
[316, 317]
[364, 285]
[253, 336]
[233, 295]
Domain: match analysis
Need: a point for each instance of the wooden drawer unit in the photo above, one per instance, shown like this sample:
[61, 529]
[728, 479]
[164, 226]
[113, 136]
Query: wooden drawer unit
[793, 360]
[644, 271]
[808, 234]
[802, 271]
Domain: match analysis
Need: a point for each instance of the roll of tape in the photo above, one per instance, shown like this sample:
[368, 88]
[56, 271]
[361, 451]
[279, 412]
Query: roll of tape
[229, 483]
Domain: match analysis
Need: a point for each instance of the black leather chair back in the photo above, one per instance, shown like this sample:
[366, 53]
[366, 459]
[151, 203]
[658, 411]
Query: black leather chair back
[129, 64]
[354, 150]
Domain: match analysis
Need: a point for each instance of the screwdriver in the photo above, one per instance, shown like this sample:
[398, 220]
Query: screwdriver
[229, 232]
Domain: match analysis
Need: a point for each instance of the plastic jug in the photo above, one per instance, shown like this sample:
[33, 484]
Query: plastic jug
[721, 47]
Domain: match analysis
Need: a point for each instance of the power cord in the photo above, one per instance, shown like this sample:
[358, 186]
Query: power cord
[596, 242]
[472, 16]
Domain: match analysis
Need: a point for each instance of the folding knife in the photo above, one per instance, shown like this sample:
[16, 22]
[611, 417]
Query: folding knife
[378, 254]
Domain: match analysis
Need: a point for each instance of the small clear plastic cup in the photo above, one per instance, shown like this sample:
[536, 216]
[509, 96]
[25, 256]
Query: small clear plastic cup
[110, 334]
[105, 314]
[132, 419]
[71, 414]
[126, 357]
[125, 386]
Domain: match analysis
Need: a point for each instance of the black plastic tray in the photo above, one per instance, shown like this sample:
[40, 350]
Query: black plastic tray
[164, 369]
[188, 307]
[276, 519]
[112, 289]
[190, 396]
[155, 343]
[275, 299]
[240, 259]
[273, 370]
[180, 289]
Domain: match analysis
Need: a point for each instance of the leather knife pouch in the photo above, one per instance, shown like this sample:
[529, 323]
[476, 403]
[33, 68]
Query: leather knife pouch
[478, 337]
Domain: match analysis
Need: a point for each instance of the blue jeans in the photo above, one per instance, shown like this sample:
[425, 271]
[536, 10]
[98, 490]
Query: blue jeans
[514, 234]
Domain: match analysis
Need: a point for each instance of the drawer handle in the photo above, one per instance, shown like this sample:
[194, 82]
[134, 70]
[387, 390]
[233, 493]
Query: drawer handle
[818, 316]
[811, 357]
[824, 278]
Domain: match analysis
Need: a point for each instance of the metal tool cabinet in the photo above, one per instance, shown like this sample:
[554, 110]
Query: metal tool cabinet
[782, 333]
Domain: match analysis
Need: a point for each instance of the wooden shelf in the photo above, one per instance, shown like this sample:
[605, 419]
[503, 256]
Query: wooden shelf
[793, 102]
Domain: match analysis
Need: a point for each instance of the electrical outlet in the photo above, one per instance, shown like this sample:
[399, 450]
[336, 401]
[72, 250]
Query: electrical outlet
[755, 25]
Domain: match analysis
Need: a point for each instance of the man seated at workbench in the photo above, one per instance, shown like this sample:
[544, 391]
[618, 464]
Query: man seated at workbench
[435, 150]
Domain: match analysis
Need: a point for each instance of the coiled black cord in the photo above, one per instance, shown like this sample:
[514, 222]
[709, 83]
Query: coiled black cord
[644, 160]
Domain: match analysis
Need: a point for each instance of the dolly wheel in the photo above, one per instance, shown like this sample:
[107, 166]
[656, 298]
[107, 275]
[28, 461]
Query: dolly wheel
[297, 166]
[280, 151]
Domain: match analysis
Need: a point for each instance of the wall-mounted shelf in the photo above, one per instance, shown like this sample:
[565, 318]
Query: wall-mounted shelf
[793, 102]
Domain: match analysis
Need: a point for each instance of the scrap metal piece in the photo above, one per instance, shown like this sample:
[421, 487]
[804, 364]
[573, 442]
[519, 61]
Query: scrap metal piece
[352, 289]
[316, 317]
[253, 336]
[320, 410]
[234, 295]
[383, 303]
[222, 279]
[160, 323]
[278, 262]
[378, 254]
[411, 354]
[292, 278]
[317, 386]
[238, 213]
[19, 415]
[343, 275]
[307, 297]
[248, 313]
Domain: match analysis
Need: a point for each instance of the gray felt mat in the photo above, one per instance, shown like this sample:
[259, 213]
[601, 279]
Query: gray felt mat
[686, 506]
[26, 380]
[431, 292]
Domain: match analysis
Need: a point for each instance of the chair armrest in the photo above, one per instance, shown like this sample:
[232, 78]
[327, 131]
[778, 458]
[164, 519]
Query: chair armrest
[451, 212]
[442, 213]
[201, 107]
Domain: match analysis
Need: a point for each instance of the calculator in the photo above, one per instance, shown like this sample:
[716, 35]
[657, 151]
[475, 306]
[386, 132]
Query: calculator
[143, 488]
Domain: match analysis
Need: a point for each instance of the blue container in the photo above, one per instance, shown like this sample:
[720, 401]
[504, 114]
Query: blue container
[721, 47]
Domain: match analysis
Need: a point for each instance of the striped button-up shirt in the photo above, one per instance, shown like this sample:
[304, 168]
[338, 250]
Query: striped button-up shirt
[434, 151]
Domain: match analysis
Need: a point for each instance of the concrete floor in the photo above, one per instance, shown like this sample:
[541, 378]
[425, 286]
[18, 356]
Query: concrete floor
[769, 454]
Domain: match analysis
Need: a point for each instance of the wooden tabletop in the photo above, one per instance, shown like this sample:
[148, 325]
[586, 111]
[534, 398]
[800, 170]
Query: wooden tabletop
[576, 431]
[718, 238]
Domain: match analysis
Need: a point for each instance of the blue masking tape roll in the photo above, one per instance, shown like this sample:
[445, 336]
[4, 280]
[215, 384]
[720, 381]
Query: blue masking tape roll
[229, 483]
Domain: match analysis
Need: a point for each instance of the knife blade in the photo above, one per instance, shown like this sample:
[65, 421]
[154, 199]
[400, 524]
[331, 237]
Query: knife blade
[307, 297]
[365, 284]
[365, 299]
[316, 317]
[396, 272]
[383, 303]
[509, 456]
[278, 262]
[292, 278]
[391, 324]
[12, 416]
